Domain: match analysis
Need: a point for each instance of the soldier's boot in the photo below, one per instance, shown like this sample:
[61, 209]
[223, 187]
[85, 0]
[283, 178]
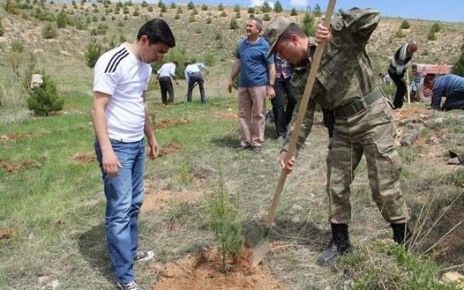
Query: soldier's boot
[339, 245]
[401, 233]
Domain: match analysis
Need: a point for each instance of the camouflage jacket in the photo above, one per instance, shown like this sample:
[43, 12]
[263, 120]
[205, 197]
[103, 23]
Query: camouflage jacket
[345, 72]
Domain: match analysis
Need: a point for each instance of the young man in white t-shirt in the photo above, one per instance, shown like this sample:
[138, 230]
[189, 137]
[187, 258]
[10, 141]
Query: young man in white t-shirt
[121, 120]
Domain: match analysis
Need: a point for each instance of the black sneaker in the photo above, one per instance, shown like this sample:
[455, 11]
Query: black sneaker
[143, 256]
[242, 148]
[256, 149]
[130, 286]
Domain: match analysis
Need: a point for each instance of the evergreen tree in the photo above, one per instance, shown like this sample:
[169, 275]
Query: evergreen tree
[278, 7]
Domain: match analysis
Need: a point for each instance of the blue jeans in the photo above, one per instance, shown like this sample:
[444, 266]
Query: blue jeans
[124, 197]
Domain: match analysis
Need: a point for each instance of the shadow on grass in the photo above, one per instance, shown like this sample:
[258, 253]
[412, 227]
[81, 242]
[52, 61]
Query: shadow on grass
[284, 230]
[227, 141]
[93, 248]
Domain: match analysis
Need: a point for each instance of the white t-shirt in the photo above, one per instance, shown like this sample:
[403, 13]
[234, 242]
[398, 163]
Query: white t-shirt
[193, 68]
[167, 70]
[124, 77]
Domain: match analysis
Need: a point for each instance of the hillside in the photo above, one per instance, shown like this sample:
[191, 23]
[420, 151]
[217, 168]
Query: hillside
[52, 234]
[200, 40]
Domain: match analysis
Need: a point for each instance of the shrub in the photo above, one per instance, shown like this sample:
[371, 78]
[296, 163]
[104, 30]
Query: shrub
[136, 13]
[17, 46]
[266, 8]
[278, 7]
[204, 7]
[436, 27]
[405, 24]
[458, 67]
[309, 24]
[236, 8]
[223, 220]
[293, 12]
[237, 15]
[150, 9]
[251, 10]
[209, 20]
[190, 5]
[252, 15]
[266, 17]
[1, 28]
[192, 18]
[61, 19]
[49, 31]
[431, 35]
[223, 14]
[93, 51]
[164, 9]
[220, 7]
[177, 17]
[44, 99]
[198, 30]
[233, 24]
[317, 11]
[173, 5]
[179, 10]
[144, 4]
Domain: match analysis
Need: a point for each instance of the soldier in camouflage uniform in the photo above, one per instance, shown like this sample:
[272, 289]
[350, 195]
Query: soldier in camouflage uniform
[363, 119]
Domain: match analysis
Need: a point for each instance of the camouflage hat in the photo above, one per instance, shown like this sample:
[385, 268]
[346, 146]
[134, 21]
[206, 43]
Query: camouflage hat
[274, 30]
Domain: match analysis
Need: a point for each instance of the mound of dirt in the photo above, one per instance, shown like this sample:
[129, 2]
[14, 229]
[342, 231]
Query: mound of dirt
[84, 158]
[170, 123]
[14, 166]
[170, 148]
[202, 271]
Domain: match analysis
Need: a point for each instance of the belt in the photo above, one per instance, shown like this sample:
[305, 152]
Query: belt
[359, 105]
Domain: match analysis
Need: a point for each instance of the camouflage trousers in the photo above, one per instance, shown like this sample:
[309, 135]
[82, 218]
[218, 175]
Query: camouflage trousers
[371, 133]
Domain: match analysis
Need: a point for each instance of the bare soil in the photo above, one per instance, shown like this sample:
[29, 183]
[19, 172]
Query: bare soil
[159, 200]
[14, 166]
[202, 271]
[84, 158]
[161, 124]
[170, 148]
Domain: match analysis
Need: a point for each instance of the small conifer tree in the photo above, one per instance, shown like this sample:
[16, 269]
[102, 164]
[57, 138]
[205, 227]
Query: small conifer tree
[224, 221]
[45, 99]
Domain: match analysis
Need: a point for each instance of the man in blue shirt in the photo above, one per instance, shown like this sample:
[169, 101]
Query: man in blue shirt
[257, 76]
[449, 86]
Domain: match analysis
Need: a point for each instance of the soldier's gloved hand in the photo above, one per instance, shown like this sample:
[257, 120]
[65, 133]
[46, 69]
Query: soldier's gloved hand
[286, 163]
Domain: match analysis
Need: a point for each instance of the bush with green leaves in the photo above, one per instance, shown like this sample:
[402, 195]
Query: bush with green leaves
[278, 7]
[62, 19]
[17, 46]
[405, 24]
[293, 12]
[251, 10]
[309, 24]
[179, 10]
[223, 14]
[458, 67]
[266, 8]
[44, 100]
[436, 27]
[93, 51]
[236, 8]
[49, 31]
[204, 7]
[317, 11]
[173, 5]
[190, 5]
[209, 20]
[233, 24]
[224, 221]
[144, 4]
[1, 27]
[220, 7]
